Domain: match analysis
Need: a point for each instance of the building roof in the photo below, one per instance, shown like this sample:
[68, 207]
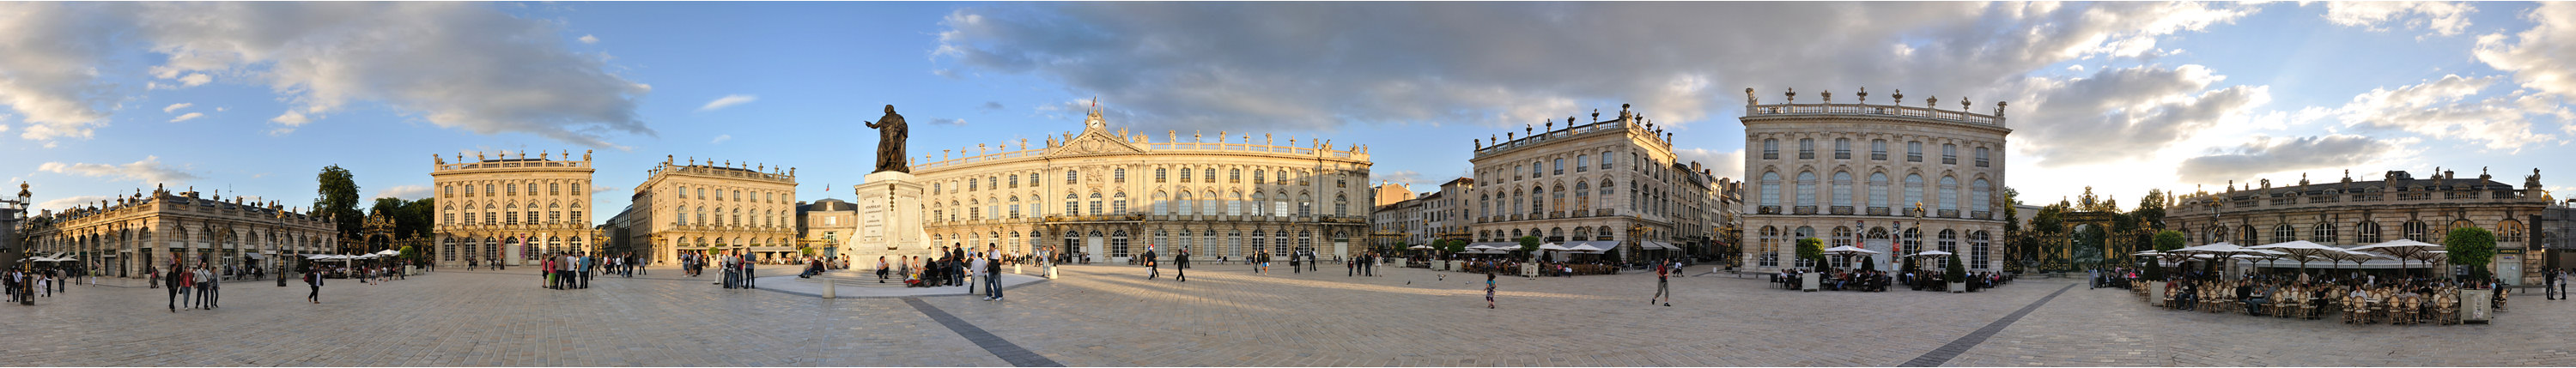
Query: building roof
[827, 204]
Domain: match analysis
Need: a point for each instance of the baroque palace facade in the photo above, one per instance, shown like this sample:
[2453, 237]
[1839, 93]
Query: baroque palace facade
[120, 237]
[1110, 194]
[697, 207]
[1613, 182]
[511, 210]
[2351, 213]
[1866, 175]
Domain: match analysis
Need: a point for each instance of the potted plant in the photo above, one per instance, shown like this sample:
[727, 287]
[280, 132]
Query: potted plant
[1958, 275]
[2473, 248]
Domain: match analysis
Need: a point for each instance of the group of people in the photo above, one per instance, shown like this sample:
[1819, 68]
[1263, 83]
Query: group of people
[197, 287]
[1875, 281]
[2365, 299]
[951, 266]
[25, 284]
[566, 271]
[1363, 265]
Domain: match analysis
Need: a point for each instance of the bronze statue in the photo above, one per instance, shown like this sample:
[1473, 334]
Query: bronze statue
[891, 133]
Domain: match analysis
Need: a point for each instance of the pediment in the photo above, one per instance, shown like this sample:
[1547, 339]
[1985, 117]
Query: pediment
[1093, 142]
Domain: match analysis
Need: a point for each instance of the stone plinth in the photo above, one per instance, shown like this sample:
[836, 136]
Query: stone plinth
[889, 220]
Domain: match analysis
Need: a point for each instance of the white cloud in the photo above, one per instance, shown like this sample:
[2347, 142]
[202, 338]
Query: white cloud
[442, 62]
[721, 138]
[2443, 108]
[948, 121]
[148, 171]
[291, 119]
[727, 101]
[2444, 18]
[186, 117]
[175, 107]
[1320, 65]
[406, 192]
[1409, 178]
[2542, 58]
[589, 39]
[597, 189]
[2271, 155]
[1722, 164]
[65, 203]
[2147, 107]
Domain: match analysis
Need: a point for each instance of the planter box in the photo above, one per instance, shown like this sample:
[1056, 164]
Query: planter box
[1958, 287]
[2156, 293]
[2477, 305]
[1529, 270]
[1808, 281]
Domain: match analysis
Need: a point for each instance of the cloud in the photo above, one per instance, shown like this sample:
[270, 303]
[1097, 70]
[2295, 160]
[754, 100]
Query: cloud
[1409, 178]
[466, 66]
[175, 107]
[597, 189]
[721, 138]
[1722, 164]
[2443, 18]
[148, 171]
[727, 101]
[2443, 108]
[405, 192]
[991, 106]
[188, 116]
[2542, 58]
[2147, 108]
[2269, 155]
[1322, 65]
[948, 121]
[589, 39]
[65, 203]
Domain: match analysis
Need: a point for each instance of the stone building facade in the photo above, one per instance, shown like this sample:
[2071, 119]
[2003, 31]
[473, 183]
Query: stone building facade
[826, 225]
[1429, 217]
[1109, 194]
[696, 207]
[120, 237]
[509, 209]
[1891, 178]
[1610, 182]
[2350, 213]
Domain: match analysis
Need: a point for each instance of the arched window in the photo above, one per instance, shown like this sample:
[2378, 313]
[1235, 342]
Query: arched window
[1538, 201]
[1118, 203]
[1767, 251]
[1980, 245]
[2283, 233]
[1950, 194]
[1913, 191]
[1096, 204]
[1843, 193]
[1981, 197]
[1582, 196]
[1305, 204]
[1162, 203]
[1072, 204]
[1878, 191]
[2322, 233]
[1341, 205]
[2510, 231]
[1118, 243]
[1807, 190]
[1771, 189]
[2368, 231]
[2416, 230]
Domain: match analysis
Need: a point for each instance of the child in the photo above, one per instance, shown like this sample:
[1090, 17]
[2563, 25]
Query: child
[1489, 289]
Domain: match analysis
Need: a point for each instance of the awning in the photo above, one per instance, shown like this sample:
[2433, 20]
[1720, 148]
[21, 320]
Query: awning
[1488, 245]
[251, 255]
[1656, 245]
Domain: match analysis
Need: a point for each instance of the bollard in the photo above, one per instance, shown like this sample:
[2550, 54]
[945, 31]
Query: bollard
[829, 287]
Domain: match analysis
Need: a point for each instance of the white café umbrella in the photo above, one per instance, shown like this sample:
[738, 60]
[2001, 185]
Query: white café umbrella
[1848, 251]
[2300, 250]
[2401, 249]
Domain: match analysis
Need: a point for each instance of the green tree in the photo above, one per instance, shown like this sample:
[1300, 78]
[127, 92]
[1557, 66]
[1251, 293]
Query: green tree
[1812, 250]
[2166, 241]
[2473, 247]
[1958, 272]
[338, 200]
[2048, 219]
[1868, 264]
[1529, 243]
[2151, 210]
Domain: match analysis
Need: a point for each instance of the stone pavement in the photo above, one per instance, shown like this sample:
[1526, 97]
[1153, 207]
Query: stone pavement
[1224, 316]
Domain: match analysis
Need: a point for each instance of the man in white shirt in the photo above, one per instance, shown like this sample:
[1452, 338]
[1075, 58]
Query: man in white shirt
[977, 269]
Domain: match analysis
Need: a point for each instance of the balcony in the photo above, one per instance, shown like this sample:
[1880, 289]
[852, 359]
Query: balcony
[1768, 210]
[1556, 214]
[1878, 211]
[1605, 212]
[1911, 212]
[1981, 215]
[1946, 213]
[1803, 210]
[1840, 210]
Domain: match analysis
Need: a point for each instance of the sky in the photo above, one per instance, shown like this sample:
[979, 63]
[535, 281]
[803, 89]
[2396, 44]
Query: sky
[253, 99]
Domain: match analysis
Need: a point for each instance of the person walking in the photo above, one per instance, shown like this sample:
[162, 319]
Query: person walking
[1489, 289]
[993, 279]
[1151, 269]
[313, 279]
[1181, 266]
[214, 291]
[177, 285]
[1663, 284]
[204, 280]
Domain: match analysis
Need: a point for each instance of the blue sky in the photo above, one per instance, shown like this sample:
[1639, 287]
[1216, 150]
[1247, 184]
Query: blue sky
[101, 99]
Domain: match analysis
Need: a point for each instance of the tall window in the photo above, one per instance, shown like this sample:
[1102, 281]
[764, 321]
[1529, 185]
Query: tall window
[2369, 232]
[1768, 251]
[1770, 188]
[1913, 151]
[1118, 175]
[1979, 247]
[1557, 166]
[1950, 193]
[1118, 203]
[1072, 204]
[1118, 244]
[1258, 177]
[1878, 190]
[2322, 233]
[1843, 193]
[1578, 164]
[1605, 160]
[1071, 176]
[1806, 148]
[1981, 157]
[1843, 238]
[1913, 191]
[1878, 149]
[1807, 188]
[2415, 230]
[2283, 233]
[2510, 231]
[1234, 175]
[554, 188]
[1770, 149]
[1158, 174]
[1949, 154]
[1842, 148]
[1095, 204]
[1981, 196]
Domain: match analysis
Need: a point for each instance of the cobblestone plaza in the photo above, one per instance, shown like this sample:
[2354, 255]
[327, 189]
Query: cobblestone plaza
[1225, 316]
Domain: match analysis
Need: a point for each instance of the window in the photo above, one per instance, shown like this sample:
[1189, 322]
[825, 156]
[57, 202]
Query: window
[1071, 176]
[2322, 233]
[1072, 204]
[992, 182]
[1015, 180]
[1185, 175]
[935, 188]
[1095, 203]
[2369, 232]
[1913, 190]
[2283, 233]
[1842, 148]
[1949, 154]
[1158, 175]
[554, 189]
[972, 186]
[487, 190]
[1771, 189]
[1981, 157]
[1234, 175]
[1769, 250]
[1258, 176]
[2510, 231]
[2415, 230]
[1578, 164]
[1981, 197]
[1209, 178]
[1980, 244]
[1950, 194]
[1605, 160]
[1878, 149]
[448, 191]
[1843, 193]
[1118, 203]
[1118, 175]
[1806, 149]
[510, 189]
[1536, 171]
[1558, 166]
[1913, 151]
[1807, 189]
[1118, 244]
[1770, 149]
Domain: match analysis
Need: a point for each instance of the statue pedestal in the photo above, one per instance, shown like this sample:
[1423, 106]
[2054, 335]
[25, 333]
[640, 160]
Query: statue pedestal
[889, 219]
